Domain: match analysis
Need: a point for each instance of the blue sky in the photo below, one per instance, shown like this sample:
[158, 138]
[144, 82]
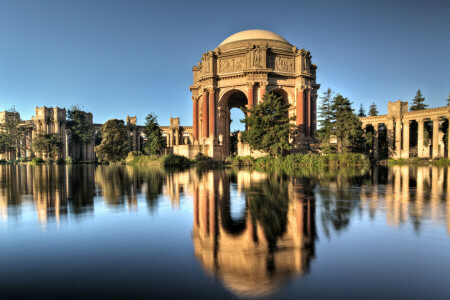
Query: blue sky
[133, 57]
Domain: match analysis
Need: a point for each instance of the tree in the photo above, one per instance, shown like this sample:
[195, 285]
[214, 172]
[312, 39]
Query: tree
[418, 102]
[373, 110]
[325, 118]
[362, 112]
[79, 125]
[12, 132]
[47, 143]
[114, 146]
[448, 100]
[154, 142]
[347, 127]
[269, 126]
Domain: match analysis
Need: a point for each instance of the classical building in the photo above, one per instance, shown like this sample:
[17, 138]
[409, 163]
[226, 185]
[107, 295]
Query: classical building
[238, 73]
[397, 131]
[52, 120]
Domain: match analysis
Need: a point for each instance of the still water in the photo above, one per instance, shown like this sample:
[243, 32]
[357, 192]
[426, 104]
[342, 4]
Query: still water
[121, 232]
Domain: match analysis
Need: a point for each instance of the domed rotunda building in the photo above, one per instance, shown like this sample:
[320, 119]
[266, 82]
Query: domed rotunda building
[238, 73]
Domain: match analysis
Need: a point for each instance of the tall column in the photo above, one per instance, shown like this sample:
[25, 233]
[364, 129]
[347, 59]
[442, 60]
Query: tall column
[313, 114]
[134, 138]
[308, 113]
[390, 137]
[435, 137]
[375, 141]
[262, 90]
[250, 95]
[405, 152]
[420, 145]
[398, 137]
[300, 118]
[205, 115]
[195, 119]
[212, 112]
[177, 136]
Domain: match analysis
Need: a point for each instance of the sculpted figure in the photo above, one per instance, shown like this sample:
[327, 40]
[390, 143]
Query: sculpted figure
[257, 57]
[220, 139]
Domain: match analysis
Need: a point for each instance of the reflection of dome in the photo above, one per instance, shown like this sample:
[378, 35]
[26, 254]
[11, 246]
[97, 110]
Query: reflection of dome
[255, 34]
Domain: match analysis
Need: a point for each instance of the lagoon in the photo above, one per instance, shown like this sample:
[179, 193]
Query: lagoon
[87, 231]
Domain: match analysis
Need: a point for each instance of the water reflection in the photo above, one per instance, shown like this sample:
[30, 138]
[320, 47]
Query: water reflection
[273, 241]
[251, 230]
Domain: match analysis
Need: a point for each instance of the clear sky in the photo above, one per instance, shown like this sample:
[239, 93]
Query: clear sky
[133, 57]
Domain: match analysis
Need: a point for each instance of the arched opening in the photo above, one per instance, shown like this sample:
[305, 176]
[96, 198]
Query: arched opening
[280, 93]
[233, 101]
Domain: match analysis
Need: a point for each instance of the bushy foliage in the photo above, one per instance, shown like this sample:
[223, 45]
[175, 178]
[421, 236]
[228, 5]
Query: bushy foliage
[79, 125]
[269, 126]
[175, 161]
[136, 158]
[69, 160]
[37, 161]
[47, 143]
[154, 142]
[373, 110]
[314, 160]
[114, 146]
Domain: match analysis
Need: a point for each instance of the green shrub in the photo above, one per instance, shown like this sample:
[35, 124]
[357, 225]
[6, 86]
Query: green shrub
[175, 161]
[69, 160]
[37, 161]
[2, 161]
[49, 161]
[60, 161]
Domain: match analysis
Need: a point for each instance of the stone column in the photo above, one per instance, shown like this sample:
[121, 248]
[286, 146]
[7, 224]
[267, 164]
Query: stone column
[212, 112]
[177, 137]
[300, 111]
[134, 138]
[195, 119]
[420, 146]
[308, 113]
[390, 137]
[250, 95]
[205, 115]
[67, 140]
[405, 152]
[313, 114]
[262, 90]
[375, 141]
[168, 140]
[435, 137]
[398, 137]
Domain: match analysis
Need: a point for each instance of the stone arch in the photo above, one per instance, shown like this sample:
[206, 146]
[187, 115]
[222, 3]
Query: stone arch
[226, 94]
[283, 93]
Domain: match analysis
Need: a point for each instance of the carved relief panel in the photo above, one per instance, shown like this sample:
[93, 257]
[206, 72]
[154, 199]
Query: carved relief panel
[232, 64]
[280, 63]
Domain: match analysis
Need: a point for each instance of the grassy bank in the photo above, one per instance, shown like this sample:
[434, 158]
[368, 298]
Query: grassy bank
[419, 161]
[304, 160]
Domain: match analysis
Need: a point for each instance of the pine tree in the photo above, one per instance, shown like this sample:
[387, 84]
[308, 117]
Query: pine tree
[418, 102]
[373, 110]
[78, 124]
[154, 143]
[448, 100]
[347, 127]
[269, 126]
[325, 118]
[362, 112]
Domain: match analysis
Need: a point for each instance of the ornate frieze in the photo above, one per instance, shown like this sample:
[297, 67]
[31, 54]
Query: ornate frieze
[280, 63]
[232, 64]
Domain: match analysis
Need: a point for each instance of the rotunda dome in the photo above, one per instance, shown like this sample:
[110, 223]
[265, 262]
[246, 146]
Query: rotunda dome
[254, 34]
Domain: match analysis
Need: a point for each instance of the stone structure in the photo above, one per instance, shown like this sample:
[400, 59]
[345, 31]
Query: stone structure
[397, 124]
[49, 120]
[238, 73]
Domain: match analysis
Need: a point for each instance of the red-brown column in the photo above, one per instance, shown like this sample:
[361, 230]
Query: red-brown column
[308, 113]
[212, 113]
[263, 91]
[250, 96]
[300, 111]
[313, 115]
[205, 115]
[195, 120]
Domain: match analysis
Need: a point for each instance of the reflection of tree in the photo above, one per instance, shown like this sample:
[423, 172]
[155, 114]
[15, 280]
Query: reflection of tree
[268, 201]
[81, 188]
[154, 180]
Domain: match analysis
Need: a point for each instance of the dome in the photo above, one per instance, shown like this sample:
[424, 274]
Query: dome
[254, 34]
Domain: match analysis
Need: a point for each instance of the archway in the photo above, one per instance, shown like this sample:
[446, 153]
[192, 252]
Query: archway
[230, 100]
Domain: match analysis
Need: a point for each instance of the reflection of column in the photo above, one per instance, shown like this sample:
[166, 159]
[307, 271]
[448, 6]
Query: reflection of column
[435, 137]
[204, 209]
[196, 206]
[420, 146]
[195, 119]
[205, 115]
[375, 141]
[212, 113]
[436, 190]
[300, 111]
[448, 200]
[405, 139]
